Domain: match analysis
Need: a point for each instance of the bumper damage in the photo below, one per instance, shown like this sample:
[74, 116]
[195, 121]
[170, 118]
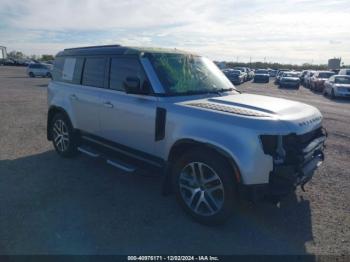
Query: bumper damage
[303, 155]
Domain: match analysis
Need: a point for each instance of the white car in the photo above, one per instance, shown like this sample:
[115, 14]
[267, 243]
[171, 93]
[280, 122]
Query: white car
[337, 86]
[177, 112]
[36, 69]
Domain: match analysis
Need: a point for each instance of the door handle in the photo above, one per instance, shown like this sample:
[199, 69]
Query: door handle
[73, 97]
[108, 104]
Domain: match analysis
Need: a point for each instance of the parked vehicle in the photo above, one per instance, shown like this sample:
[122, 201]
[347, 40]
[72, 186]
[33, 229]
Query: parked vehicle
[261, 75]
[35, 69]
[290, 79]
[272, 73]
[250, 74]
[344, 71]
[302, 76]
[244, 72]
[279, 74]
[178, 113]
[337, 86]
[235, 76]
[318, 79]
[307, 78]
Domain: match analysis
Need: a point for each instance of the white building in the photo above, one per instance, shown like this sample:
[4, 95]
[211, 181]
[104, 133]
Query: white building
[3, 54]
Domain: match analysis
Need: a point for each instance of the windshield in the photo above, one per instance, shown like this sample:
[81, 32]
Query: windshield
[325, 75]
[232, 72]
[188, 74]
[261, 72]
[290, 75]
[342, 80]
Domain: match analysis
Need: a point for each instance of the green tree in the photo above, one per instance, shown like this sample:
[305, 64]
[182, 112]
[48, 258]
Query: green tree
[47, 57]
[16, 55]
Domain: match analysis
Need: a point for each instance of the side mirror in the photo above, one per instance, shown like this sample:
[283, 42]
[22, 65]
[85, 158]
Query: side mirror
[132, 85]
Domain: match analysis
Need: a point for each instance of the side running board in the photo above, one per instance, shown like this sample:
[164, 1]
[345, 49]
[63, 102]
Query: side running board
[114, 162]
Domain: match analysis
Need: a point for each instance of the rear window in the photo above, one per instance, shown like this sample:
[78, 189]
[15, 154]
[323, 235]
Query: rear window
[94, 72]
[325, 74]
[68, 69]
[342, 80]
[37, 66]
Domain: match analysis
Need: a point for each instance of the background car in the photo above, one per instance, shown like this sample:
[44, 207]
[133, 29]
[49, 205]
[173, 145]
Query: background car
[279, 74]
[261, 75]
[289, 79]
[235, 76]
[337, 86]
[344, 71]
[307, 78]
[272, 73]
[250, 74]
[244, 71]
[36, 69]
[318, 79]
[302, 76]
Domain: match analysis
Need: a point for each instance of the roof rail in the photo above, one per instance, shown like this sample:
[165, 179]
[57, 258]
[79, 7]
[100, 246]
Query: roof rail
[88, 47]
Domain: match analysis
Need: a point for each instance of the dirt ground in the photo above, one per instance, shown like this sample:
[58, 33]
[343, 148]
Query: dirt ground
[50, 205]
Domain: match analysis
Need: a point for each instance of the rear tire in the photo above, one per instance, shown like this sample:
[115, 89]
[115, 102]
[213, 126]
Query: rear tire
[64, 138]
[205, 186]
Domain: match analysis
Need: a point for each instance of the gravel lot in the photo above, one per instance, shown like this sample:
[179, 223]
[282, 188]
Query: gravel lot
[50, 205]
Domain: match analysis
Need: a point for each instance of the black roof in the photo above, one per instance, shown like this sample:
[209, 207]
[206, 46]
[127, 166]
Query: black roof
[114, 50]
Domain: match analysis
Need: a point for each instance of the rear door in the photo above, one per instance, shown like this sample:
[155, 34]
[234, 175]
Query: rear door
[86, 98]
[126, 119]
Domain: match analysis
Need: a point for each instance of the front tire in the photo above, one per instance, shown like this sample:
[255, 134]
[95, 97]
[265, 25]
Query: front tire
[63, 137]
[333, 94]
[205, 186]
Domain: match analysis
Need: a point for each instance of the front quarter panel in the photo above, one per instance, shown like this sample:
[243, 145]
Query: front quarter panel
[237, 140]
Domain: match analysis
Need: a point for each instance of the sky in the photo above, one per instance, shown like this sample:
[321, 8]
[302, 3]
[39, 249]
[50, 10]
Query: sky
[286, 31]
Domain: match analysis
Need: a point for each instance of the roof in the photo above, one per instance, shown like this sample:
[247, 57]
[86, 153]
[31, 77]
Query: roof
[115, 50]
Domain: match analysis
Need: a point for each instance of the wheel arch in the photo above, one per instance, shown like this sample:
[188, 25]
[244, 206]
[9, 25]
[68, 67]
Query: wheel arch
[183, 145]
[53, 110]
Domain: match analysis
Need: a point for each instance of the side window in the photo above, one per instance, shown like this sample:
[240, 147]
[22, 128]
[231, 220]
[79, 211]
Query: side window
[68, 69]
[57, 69]
[121, 68]
[94, 72]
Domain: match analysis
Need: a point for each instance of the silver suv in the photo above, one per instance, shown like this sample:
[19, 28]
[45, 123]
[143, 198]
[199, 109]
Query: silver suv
[176, 112]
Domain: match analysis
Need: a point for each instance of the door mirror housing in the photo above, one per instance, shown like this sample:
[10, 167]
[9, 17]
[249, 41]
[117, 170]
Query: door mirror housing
[132, 85]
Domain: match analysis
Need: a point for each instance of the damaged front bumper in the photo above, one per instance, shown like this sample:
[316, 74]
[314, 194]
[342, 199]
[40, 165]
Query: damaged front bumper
[302, 156]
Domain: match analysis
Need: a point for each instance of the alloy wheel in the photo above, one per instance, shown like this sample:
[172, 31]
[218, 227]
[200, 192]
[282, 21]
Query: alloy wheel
[201, 189]
[60, 135]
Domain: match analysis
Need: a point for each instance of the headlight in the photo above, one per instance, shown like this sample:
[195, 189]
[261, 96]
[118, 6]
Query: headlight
[269, 144]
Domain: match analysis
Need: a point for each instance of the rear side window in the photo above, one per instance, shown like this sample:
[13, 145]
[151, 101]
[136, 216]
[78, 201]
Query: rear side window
[121, 68]
[57, 69]
[94, 72]
[68, 69]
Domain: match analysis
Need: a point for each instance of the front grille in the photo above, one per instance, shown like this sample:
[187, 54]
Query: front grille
[295, 144]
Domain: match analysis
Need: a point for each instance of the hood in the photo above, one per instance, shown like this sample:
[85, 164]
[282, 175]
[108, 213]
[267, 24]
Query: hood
[299, 116]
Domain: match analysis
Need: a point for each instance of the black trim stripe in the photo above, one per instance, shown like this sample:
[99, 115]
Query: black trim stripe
[160, 124]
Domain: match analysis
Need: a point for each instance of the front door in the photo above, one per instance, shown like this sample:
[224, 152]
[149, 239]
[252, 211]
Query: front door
[126, 119]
